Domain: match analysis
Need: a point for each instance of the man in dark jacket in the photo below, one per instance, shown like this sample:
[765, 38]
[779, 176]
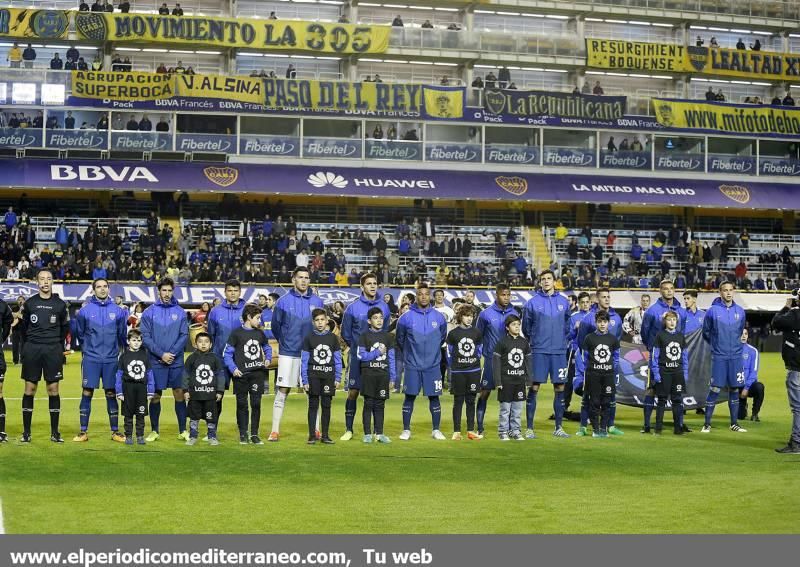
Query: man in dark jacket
[788, 322]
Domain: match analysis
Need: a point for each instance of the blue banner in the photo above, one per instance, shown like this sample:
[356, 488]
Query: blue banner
[77, 139]
[625, 159]
[393, 149]
[778, 166]
[222, 143]
[21, 137]
[332, 148]
[144, 141]
[504, 153]
[679, 162]
[436, 151]
[256, 144]
[718, 163]
[569, 157]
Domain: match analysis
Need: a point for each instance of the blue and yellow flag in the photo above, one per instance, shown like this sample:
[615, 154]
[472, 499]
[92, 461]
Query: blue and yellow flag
[443, 102]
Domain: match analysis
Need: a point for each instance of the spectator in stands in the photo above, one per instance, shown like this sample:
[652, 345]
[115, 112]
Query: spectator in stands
[163, 68]
[598, 90]
[611, 146]
[756, 46]
[190, 70]
[38, 120]
[491, 80]
[73, 53]
[116, 62]
[710, 95]
[29, 56]
[70, 65]
[102, 124]
[163, 10]
[124, 6]
[623, 145]
[561, 232]
[429, 229]
[776, 101]
[83, 6]
[343, 19]
[411, 136]
[731, 239]
[273, 16]
[398, 21]
[56, 63]
[97, 64]
[720, 96]
[636, 251]
[477, 83]
[144, 124]
[744, 239]
[713, 42]
[291, 72]
[177, 10]
[699, 41]
[82, 66]
[586, 88]
[97, 6]
[572, 250]
[427, 25]
[453, 27]
[132, 124]
[377, 79]
[503, 77]
[377, 133]
[108, 6]
[740, 45]
[179, 68]
[10, 219]
[613, 263]
[597, 251]
[788, 100]
[636, 145]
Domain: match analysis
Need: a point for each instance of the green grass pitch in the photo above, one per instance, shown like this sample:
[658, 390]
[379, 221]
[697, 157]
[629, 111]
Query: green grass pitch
[718, 483]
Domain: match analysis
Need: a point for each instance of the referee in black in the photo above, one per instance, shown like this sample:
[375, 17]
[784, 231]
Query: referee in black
[6, 318]
[44, 327]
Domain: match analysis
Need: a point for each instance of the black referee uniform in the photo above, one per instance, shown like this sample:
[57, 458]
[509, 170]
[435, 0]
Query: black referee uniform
[6, 318]
[44, 327]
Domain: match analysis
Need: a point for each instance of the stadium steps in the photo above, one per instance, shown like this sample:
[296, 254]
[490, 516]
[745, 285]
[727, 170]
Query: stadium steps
[537, 248]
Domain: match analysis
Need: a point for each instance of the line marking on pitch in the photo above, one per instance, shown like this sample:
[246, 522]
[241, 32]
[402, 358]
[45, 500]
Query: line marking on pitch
[2, 527]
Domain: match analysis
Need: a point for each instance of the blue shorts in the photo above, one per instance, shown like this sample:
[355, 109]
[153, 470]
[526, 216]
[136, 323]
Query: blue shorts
[552, 365]
[354, 372]
[727, 372]
[168, 377]
[92, 371]
[429, 381]
[487, 380]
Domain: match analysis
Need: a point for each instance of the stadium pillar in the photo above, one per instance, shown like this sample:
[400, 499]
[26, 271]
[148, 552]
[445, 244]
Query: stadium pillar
[789, 221]
[469, 18]
[351, 208]
[351, 10]
[688, 217]
[470, 209]
[582, 214]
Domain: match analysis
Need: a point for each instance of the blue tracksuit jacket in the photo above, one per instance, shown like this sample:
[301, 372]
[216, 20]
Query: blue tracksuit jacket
[165, 329]
[222, 320]
[694, 321]
[545, 322]
[722, 329]
[653, 321]
[587, 326]
[750, 356]
[492, 325]
[102, 328]
[354, 322]
[420, 334]
[266, 323]
[291, 320]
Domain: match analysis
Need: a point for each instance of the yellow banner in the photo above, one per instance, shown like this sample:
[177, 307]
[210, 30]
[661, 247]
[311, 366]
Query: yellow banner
[335, 96]
[723, 117]
[34, 24]
[242, 89]
[663, 57]
[317, 37]
[122, 86]
[444, 102]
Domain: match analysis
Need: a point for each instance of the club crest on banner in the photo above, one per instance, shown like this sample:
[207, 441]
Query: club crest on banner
[222, 176]
[736, 193]
[514, 185]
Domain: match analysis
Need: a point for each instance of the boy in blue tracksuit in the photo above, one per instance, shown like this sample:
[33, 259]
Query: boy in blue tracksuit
[652, 324]
[752, 387]
[222, 320]
[722, 329]
[354, 324]
[420, 334]
[492, 325]
[291, 324]
[165, 331]
[584, 304]
[546, 324]
[586, 327]
[694, 316]
[101, 327]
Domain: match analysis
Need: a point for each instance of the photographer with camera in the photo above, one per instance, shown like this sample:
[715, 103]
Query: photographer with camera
[787, 321]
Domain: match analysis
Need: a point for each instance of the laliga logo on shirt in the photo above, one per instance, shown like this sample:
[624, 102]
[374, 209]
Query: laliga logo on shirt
[322, 354]
[252, 349]
[515, 358]
[136, 370]
[466, 347]
[382, 357]
[602, 354]
[673, 351]
[204, 374]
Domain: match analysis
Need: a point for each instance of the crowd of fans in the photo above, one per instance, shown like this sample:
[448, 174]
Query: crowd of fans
[591, 261]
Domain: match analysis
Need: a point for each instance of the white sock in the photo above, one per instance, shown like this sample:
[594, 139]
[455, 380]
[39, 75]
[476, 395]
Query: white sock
[277, 410]
[319, 416]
